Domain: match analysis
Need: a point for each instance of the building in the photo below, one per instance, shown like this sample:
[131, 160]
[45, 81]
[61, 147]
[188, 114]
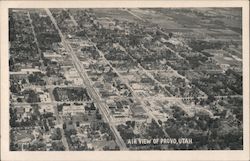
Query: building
[138, 111]
[46, 108]
[45, 97]
[73, 110]
[72, 76]
[51, 55]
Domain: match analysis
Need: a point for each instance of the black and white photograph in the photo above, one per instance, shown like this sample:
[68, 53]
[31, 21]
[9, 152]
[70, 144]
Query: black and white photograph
[125, 79]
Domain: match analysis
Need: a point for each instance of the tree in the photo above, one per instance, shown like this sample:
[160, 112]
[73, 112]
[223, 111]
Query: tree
[170, 35]
[99, 116]
[59, 108]
[160, 122]
[19, 99]
[117, 147]
[210, 98]
[64, 125]
[133, 124]
[105, 148]
[24, 81]
[128, 123]
[58, 146]
[57, 135]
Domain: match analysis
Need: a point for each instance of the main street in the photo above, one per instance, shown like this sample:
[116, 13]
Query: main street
[134, 94]
[89, 87]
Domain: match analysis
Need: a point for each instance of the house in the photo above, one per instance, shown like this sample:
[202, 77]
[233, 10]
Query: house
[46, 108]
[45, 97]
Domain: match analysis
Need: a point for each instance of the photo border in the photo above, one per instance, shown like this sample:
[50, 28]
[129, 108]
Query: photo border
[205, 155]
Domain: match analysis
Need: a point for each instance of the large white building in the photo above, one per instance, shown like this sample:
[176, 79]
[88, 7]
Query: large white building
[73, 110]
[73, 76]
[51, 55]
[45, 97]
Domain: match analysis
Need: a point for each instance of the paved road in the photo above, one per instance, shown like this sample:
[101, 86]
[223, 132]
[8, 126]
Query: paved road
[134, 15]
[35, 38]
[45, 103]
[191, 98]
[89, 87]
[54, 86]
[59, 122]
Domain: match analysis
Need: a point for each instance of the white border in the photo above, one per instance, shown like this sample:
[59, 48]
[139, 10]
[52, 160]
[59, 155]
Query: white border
[120, 155]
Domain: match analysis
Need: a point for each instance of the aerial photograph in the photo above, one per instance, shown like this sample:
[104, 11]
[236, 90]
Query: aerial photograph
[125, 79]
